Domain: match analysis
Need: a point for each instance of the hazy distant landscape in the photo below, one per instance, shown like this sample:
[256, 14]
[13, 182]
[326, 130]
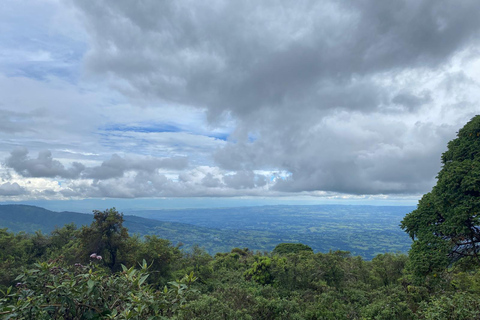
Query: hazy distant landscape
[363, 230]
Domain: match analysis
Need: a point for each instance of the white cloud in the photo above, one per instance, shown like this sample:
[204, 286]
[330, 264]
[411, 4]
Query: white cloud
[262, 98]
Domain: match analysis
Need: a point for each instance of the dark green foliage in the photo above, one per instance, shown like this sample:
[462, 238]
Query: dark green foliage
[106, 236]
[197, 261]
[445, 225]
[261, 270]
[388, 303]
[285, 248]
[160, 255]
[387, 268]
[304, 286]
[240, 284]
[15, 252]
[54, 291]
[451, 306]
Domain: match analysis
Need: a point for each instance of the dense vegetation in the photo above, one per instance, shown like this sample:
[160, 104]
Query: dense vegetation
[99, 271]
[57, 276]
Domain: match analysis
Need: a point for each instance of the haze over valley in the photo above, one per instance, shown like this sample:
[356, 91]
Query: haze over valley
[364, 231]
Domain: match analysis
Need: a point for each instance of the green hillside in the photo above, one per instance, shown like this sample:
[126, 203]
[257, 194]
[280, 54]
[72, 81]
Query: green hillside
[30, 219]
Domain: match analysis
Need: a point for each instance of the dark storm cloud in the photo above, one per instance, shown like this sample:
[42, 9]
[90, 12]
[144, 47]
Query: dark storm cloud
[244, 180]
[116, 166]
[43, 166]
[243, 56]
[144, 184]
[317, 83]
[350, 154]
[11, 189]
[411, 101]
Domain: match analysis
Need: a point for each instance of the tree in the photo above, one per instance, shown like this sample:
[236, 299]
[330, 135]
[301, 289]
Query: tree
[286, 248]
[261, 270]
[387, 268]
[15, 252]
[160, 255]
[106, 236]
[445, 226]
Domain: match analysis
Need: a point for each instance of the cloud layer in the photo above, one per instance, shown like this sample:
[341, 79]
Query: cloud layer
[229, 98]
[128, 177]
[46, 167]
[342, 95]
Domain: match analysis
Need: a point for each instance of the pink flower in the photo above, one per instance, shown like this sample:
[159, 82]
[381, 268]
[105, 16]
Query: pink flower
[93, 256]
[99, 257]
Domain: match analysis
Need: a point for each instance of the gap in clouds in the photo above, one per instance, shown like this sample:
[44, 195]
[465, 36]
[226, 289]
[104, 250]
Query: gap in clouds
[147, 127]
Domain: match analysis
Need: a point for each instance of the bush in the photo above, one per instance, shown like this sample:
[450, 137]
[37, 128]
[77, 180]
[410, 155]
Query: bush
[55, 291]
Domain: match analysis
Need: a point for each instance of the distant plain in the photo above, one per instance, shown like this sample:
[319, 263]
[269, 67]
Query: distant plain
[362, 230]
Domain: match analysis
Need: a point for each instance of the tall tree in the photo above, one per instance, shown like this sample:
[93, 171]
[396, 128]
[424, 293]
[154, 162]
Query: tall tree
[106, 236]
[445, 226]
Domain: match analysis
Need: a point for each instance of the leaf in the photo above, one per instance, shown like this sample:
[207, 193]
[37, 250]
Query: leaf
[142, 279]
[50, 308]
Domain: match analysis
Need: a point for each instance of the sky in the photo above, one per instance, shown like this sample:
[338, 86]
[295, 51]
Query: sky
[200, 103]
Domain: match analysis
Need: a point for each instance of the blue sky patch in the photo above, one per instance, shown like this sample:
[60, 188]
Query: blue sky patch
[150, 128]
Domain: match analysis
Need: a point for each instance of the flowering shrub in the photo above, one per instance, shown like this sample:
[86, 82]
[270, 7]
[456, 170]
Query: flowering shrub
[95, 256]
[52, 291]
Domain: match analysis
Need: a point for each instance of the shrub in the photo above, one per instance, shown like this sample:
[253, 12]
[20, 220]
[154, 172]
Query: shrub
[54, 291]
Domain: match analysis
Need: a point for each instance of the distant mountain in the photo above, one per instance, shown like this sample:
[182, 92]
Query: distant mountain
[30, 219]
[362, 230]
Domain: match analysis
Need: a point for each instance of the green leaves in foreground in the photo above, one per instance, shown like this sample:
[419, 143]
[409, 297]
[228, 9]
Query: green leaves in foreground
[54, 291]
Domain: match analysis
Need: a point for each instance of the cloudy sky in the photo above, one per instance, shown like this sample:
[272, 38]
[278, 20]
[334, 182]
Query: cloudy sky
[254, 99]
